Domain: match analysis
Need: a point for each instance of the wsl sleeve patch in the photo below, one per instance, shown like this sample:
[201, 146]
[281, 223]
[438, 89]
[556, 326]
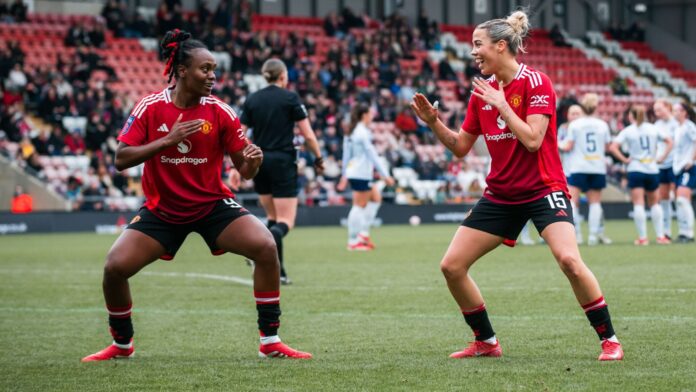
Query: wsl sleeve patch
[128, 125]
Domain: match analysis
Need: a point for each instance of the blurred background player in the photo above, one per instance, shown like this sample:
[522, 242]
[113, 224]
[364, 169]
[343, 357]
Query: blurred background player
[640, 139]
[684, 169]
[272, 114]
[359, 162]
[182, 134]
[515, 111]
[667, 124]
[586, 142]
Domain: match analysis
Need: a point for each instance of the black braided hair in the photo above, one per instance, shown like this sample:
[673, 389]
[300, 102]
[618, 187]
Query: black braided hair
[176, 47]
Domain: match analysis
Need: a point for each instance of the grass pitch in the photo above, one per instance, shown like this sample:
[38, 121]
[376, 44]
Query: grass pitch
[377, 321]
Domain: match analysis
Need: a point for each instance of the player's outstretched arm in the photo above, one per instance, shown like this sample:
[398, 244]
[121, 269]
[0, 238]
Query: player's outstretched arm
[248, 161]
[129, 156]
[458, 142]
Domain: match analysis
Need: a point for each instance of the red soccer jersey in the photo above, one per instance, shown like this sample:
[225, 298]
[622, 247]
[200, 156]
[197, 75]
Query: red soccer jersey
[183, 182]
[517, 175]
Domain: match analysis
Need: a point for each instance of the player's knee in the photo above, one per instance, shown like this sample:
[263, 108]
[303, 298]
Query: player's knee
[114, 267]
[265, 252]
[451, 269]
[570, 264]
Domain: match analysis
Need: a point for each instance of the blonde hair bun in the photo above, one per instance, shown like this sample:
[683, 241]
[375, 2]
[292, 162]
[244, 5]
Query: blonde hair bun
[519, 22]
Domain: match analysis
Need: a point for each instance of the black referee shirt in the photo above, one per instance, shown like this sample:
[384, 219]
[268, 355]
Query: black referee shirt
[272, 113]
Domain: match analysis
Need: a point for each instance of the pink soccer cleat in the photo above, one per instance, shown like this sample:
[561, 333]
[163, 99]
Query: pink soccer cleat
[611, 351]
[663, 240]
[359, 246]
[281, 350]
[111, 352]
[479, 349]
[641, 242]
[366, 240]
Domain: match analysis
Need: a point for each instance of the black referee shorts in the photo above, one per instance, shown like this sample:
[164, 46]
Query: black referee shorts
[172, 235]
[277, 175]
[507, 220]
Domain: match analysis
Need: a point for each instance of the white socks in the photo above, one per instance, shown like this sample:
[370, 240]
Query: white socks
[685, 217]
[639, 219]
[577, 222]
[666, 216]
[656, 215]
[270, 339]
[371, 212]
[595, 218]
[492, 340]
[356, 218]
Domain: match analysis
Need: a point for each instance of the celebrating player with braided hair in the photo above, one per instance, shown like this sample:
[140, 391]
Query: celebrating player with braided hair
[182, 134]
[515, 111]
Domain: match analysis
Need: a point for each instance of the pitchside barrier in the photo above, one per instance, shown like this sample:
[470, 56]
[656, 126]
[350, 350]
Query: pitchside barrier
[113, 222]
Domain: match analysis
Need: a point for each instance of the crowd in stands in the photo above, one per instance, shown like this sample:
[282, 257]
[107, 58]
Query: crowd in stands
[70, 109]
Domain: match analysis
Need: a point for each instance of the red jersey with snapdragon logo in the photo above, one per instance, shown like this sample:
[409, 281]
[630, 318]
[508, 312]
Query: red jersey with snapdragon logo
[183, 182]
[518, 175]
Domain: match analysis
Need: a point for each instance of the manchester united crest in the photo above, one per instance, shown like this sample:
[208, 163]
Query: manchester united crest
[207, 127]
[515, 101]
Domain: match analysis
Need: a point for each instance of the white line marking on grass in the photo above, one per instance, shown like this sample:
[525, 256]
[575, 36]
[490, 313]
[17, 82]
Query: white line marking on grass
[196, 275]
[349, 314]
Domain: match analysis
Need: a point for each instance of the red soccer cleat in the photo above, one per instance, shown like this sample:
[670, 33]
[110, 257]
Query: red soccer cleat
[281, 350]
[359, 246]
[611, 351]
[479, 349]
[641, 242]
[663, 240]
[111, 352]
[366, 240]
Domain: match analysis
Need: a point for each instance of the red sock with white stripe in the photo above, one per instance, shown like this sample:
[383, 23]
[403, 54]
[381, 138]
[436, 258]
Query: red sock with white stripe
[597, 312]
[120, 325]
[268, 308]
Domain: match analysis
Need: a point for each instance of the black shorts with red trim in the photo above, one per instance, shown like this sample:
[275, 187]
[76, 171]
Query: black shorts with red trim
[172, 235]
[507, 220]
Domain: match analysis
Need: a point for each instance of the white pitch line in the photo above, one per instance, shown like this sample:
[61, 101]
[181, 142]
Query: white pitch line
[348, 314]
[196, 275]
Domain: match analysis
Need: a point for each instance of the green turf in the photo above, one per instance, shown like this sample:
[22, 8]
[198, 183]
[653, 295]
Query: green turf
[376, 321]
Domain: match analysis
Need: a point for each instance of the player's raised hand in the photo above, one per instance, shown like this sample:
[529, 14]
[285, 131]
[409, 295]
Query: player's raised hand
[423, 109]
[490, 95]
[181, 130]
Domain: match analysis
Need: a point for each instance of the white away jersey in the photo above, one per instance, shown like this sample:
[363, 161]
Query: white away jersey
[590, 137]
[641, 144]
[669, 127]
[359, 155]
[684, 145]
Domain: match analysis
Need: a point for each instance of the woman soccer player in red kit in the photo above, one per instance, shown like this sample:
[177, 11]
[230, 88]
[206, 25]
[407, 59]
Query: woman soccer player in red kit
[182, 134]
[515, 111]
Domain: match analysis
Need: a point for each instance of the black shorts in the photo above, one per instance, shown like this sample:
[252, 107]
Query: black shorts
[172, 235]
[507, 220]
[277, 175]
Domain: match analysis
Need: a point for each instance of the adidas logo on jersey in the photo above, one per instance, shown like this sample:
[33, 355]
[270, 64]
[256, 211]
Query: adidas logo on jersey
[163, 128]
[488, 107]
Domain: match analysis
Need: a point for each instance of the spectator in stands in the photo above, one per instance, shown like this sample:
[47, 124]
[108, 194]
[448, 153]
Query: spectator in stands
[18, 11]
[445, 70]
[22, 202]
[332, 25]
[406, 121]
[73, 193]
[114, 14]
[28, 156]
[557, 36]
[619, 86]
[17, 79]
[636, 32]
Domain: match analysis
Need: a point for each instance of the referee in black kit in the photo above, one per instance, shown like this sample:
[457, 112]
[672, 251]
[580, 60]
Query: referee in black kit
[272, 113]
